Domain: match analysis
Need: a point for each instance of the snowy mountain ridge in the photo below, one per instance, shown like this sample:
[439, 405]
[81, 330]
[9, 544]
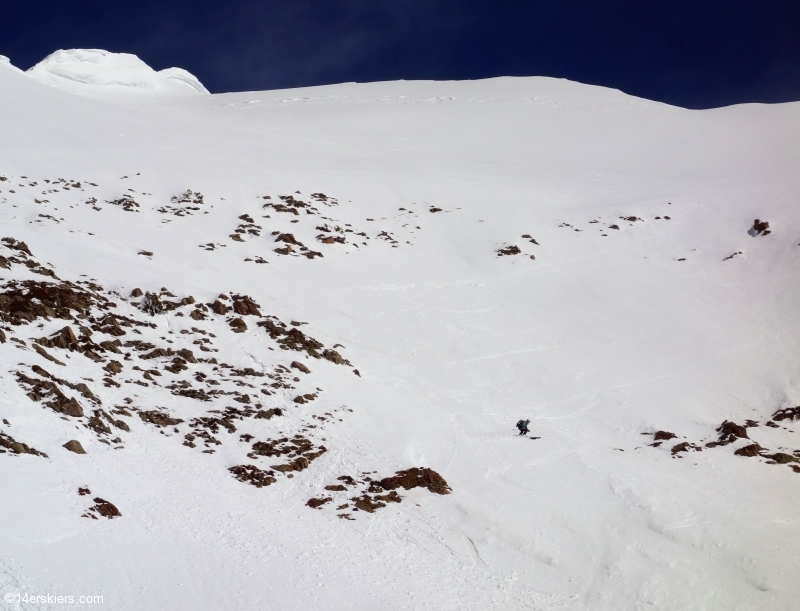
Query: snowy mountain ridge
[292, 331]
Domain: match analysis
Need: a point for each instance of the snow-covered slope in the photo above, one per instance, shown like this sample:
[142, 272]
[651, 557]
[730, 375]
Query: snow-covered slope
[359, 227]
[95, 70]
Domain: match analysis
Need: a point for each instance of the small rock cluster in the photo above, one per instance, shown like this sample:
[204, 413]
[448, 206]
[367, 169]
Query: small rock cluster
[730, 432]
[376, 493]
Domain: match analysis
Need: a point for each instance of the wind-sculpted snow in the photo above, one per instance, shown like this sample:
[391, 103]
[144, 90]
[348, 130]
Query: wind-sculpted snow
[82, 70]
[267, 350]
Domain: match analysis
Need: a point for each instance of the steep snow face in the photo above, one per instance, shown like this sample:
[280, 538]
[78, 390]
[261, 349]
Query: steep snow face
[480, 252]
[93, 70]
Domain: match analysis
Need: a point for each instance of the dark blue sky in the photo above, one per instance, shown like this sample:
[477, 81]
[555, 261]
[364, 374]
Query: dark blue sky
[692, 53]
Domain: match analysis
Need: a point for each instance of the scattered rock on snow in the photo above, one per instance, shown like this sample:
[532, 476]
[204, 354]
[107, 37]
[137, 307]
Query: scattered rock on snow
[508, 250]
[685, 447]
[158, 418]
[15, 447]
[782, 458]
[252, 475]
[788, 413]
[728, 433]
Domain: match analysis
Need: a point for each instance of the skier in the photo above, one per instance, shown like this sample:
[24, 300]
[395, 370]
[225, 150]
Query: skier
[522, 425]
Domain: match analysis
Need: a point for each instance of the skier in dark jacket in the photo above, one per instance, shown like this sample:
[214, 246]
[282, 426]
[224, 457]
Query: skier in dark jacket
[522, 425]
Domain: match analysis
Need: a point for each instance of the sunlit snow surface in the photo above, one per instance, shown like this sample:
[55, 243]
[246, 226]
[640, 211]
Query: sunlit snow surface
[598, 340]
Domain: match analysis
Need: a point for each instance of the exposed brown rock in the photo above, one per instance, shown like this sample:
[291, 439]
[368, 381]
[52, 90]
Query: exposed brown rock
[106, 509]
[391, 497]
[788, 413]
[9, 443]
[187, 354]
[97, 425]
[46, 389]
[238, 325]
[750, 450]
[300, 366]
[42, 352]
[64, 339]
[157, 353]
[82, 388]
[75, 446]
[126, 202]
[251, 474]
[365, 503]
[760, 227]
[14, 245]
[287, 238]
[663, 435]
[508, 250]
[298, 464]
[782, 458]
[245, 306]
[159, 418]
[685, 447]
[335, 357]
[113, 367]
[219, 308]
[317, 503]
[730, 431]
[417, 477]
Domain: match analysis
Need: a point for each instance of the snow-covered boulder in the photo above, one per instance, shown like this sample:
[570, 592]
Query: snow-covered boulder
[93, 70]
